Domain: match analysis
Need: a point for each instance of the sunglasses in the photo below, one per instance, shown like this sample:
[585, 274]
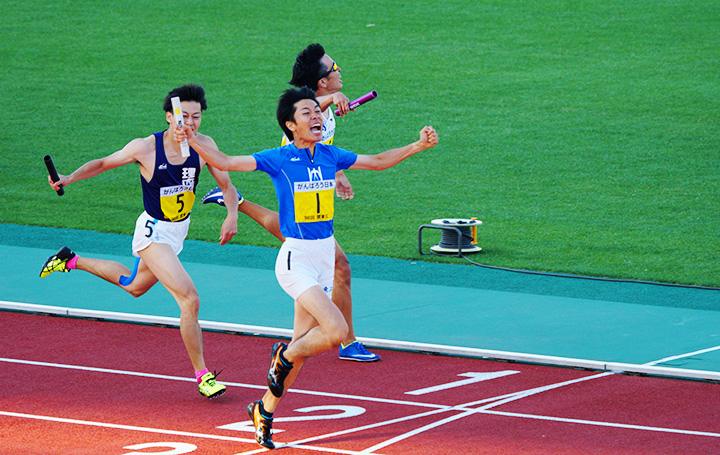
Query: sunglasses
[334, 67]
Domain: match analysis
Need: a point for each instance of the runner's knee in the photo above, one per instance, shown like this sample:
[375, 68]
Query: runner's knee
[337, 333]
[190, 304]
[135, 291]
[140, 284]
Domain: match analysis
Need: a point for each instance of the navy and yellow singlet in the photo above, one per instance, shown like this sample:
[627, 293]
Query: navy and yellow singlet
[170, 194]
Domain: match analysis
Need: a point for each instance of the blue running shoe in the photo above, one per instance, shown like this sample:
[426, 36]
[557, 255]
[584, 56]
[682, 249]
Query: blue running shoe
[357, 352]
[215, 195]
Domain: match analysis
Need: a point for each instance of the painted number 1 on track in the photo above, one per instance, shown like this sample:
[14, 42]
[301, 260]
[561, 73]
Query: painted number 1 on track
[473, 377]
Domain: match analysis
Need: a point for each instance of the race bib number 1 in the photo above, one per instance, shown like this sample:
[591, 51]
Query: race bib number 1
[314, 201]
[176, 202]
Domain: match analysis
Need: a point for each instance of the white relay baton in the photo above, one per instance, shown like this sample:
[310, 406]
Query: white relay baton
[177, 110]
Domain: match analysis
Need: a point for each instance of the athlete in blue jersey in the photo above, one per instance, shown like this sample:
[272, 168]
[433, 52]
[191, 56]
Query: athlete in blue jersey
[168, 182]
[315, 69]
[304, 177]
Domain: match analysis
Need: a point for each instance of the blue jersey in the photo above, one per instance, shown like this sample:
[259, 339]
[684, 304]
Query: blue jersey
[305, 187]
[170, 194]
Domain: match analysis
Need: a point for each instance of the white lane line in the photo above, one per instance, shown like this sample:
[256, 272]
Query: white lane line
[234, 384]
[603, 424]
[124, 427]
[682, 356]
[416, 431]
[536, 390]
[366, 427]
[166, 432]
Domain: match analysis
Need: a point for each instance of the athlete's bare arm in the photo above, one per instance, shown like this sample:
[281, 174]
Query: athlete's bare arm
[138, 150]
[229, 226]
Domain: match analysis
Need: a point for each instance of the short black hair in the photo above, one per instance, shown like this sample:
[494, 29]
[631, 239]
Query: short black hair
[188, 92]
[286, 106]
[308, 69]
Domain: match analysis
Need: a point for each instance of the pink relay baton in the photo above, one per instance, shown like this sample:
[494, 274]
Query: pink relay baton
[362, 100]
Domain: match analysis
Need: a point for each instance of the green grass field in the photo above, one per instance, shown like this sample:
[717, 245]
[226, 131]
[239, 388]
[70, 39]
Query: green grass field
[584, 134]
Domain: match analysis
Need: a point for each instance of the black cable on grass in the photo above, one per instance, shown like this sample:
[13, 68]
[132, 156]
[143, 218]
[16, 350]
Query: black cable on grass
[584, 277]
[454, 239]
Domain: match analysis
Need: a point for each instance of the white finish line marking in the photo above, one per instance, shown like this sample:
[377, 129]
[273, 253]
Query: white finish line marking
[465, 410]
[474, 377]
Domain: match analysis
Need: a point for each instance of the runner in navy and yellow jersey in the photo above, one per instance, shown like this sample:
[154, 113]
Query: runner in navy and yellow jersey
[168, 184]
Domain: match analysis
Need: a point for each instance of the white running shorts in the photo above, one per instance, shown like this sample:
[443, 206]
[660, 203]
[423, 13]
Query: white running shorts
[150, 230]
[302, 264]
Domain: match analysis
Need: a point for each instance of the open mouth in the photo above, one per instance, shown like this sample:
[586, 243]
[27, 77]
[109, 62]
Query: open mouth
[316, 128]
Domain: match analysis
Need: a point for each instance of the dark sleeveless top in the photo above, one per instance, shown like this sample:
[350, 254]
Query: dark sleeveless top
[170, 194]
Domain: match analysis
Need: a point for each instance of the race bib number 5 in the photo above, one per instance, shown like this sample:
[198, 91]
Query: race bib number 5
[314, 201]
[177, 201]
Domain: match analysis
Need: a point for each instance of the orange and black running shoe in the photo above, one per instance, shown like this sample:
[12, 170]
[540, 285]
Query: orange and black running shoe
[263, 425]
[279, 370]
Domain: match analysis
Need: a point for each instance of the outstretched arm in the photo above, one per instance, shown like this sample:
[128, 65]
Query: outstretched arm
[126, 155]
[214, 157]
[428, 138]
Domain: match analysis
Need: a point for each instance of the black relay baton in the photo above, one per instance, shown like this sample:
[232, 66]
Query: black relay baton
[53, 173]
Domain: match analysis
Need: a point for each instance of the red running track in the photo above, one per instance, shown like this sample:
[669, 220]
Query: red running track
[73, 386]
